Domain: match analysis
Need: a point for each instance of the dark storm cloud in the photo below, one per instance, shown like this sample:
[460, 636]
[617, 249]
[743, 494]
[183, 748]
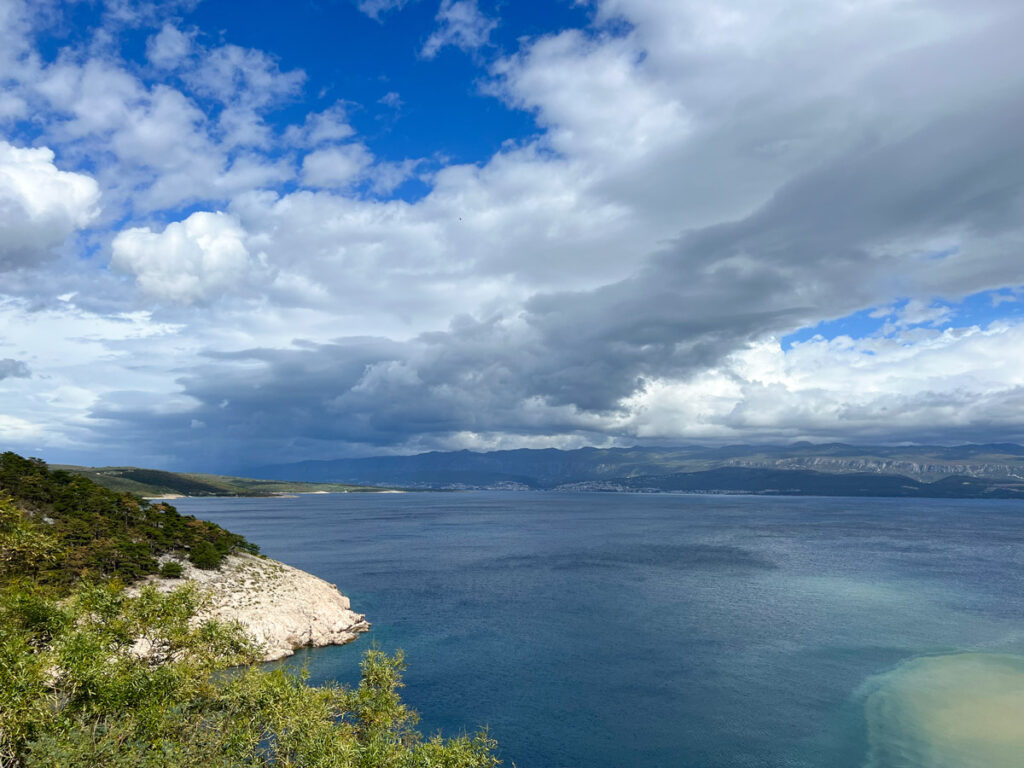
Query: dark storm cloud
[850, 234]
[826, 245]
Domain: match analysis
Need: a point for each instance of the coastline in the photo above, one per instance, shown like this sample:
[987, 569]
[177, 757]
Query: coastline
[273, 495]
[281, 607]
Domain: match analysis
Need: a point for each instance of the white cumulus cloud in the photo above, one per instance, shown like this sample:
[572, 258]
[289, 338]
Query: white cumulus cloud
[40, 205]
[336, 166]
[922, 384]
[169, 47]
[198, 258]
[331, 125]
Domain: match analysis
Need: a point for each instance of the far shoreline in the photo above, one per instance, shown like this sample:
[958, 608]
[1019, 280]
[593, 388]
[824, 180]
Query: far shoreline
[274, 495]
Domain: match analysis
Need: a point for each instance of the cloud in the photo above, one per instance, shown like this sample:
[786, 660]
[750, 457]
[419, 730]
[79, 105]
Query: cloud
[698, 181]
[246, 81]
[375, 9]
[40, 205]
[685, 328]
[921, 385]
[474, 386]
[918, 312]
[596, 97]
[169, 48]
[192, 260]
[184, 139]
[13, 369]
[850, 230]
[245, 76]
[328, 126]
[142, 13]
[339, 166]
[14, 430]
[344, 166]
[391, 99]
[828, 243]
[75, 356]
[386, 177]
[460, 24]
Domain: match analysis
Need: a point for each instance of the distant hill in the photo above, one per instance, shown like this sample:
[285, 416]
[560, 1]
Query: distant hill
[155, 482]
[60, 528]
[802, 482]
[993, 470]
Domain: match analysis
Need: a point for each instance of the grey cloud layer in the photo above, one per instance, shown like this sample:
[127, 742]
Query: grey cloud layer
[825, 245]
[847, 235]
[13, 369]
[697, 190]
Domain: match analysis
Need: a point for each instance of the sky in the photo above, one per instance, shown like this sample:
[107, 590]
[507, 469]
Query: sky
[241, 234]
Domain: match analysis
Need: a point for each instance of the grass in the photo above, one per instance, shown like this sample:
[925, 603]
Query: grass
[155, 482]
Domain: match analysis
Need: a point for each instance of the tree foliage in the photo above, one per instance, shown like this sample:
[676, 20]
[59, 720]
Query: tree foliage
[100, 533]
[104, 678]
[94, 675]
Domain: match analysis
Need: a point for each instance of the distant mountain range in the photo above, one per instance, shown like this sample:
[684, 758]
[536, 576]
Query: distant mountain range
[833, 469]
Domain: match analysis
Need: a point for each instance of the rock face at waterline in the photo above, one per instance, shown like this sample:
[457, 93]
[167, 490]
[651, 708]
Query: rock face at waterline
[282, 607]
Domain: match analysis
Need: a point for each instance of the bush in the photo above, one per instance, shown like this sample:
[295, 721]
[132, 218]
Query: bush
[119, 710]
[171, 570]
[204, 555]
[75, 692]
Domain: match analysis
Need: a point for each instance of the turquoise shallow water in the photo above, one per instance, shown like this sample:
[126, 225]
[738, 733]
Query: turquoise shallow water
[607, 630]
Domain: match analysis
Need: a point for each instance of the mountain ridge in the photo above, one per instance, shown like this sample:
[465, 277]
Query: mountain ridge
[983, 466]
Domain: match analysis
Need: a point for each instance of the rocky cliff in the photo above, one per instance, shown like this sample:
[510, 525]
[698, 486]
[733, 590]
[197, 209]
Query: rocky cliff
[282, 607]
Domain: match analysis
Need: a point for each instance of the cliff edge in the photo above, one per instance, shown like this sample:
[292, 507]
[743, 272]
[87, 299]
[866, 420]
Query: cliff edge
[282, 607]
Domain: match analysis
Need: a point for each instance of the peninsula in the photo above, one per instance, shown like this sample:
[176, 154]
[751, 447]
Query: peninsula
[98, 534]
[167, 671]
[281, 608]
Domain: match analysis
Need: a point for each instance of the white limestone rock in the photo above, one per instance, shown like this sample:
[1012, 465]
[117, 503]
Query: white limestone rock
[282, 607]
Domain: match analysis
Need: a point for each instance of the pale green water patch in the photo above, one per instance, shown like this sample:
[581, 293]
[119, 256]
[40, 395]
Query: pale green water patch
[957, 711]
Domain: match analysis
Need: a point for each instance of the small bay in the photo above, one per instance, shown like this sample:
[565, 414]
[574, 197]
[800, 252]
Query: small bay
[610, 630]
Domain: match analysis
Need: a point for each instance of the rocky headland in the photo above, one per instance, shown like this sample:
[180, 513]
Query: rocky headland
[281, 607]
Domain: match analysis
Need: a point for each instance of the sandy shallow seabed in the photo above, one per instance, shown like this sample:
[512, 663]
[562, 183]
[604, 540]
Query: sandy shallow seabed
[282, 607]
[956, 711]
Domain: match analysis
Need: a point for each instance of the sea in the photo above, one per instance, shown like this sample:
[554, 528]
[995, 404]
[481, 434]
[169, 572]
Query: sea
[604, 630]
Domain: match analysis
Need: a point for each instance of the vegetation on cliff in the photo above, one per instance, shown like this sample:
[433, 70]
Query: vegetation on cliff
[92, 675]
[98, 533]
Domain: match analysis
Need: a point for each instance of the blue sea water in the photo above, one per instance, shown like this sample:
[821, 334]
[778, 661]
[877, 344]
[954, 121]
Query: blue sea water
[612, 630]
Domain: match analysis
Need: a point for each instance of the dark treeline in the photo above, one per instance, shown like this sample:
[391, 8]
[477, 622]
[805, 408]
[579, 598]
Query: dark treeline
[104, 534]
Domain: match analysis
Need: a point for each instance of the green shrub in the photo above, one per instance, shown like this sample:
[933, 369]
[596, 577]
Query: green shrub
[171, 570]
[119, 710]
[75, 693]
[205, 555]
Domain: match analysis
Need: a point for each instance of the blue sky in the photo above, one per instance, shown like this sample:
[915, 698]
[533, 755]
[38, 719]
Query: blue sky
[980, 309]
[403, 104]
[349, 56]
[302, 230]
